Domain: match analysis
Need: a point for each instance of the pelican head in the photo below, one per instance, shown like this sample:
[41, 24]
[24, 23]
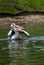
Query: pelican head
[13, 25]
[18, 28]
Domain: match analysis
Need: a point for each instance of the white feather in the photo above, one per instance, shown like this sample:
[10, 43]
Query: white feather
[9, 32]
[25, 32]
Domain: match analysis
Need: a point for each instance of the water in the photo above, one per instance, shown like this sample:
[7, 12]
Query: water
[28, 51]
[22, 52]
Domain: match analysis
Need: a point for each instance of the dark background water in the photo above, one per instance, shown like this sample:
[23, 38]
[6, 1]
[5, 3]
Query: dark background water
[22, 52]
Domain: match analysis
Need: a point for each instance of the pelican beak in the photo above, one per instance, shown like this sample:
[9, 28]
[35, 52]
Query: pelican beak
[17, 26]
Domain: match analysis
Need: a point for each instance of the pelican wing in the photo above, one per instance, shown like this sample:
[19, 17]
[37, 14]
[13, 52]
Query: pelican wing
[9, 33]
[25, 32]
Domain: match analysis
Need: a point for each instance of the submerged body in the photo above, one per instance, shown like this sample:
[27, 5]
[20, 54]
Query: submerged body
[15, 31]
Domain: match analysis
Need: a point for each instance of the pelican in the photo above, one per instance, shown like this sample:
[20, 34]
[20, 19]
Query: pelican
[15, 31]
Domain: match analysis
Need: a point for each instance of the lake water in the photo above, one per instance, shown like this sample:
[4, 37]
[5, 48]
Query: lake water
[29, 51]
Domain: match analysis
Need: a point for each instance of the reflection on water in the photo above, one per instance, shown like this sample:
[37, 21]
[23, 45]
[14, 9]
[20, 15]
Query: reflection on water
[17, 52]
[22, 52]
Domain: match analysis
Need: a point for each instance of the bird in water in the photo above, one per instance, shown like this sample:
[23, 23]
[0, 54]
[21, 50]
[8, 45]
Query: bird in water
[15, 31]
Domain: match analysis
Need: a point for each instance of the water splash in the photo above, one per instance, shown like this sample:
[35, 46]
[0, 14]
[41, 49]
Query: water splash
[38, 38]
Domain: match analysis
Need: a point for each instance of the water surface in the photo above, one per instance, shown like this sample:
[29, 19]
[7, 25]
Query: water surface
[29, 51]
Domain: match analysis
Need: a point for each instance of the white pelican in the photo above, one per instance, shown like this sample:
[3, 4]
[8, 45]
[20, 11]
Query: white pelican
[14, 33]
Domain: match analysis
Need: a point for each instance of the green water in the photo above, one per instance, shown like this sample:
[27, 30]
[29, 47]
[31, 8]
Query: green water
[22, 52]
